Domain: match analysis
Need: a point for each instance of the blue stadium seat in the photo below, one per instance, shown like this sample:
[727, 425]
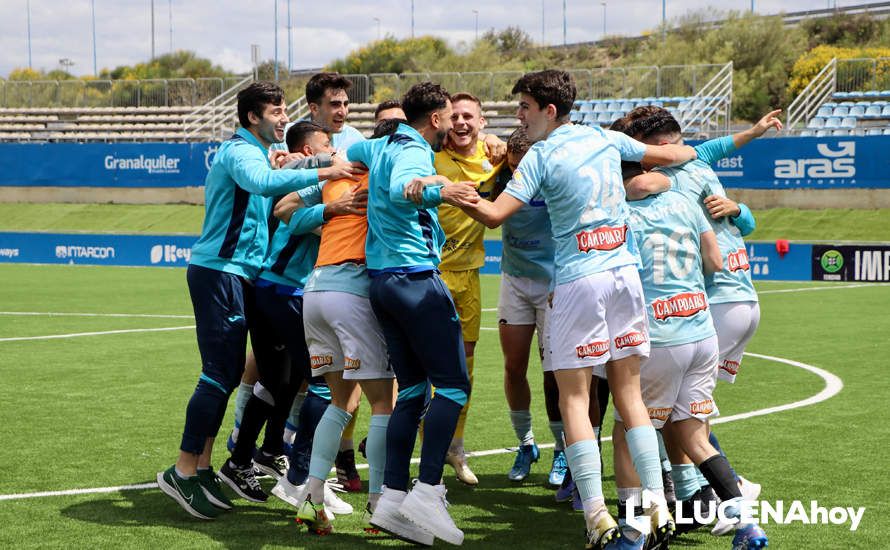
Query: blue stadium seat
[857, 132]
[874, 132]
[589, 118]
[807, 133]
[635, 99]
[885, 93]
[885, 112]
[823, 133]
[604, 118]
[626, 106]
[677, 99]
[576, 116]
[848, 122]
[873, 111]
[586, 106]
[824, 111]
[872, 93]
[816, 122]
[600, 107]
[840, 132]
[650, 100]
[847, 103]
[841, 111]
[831, 104]
[577, 104]
[832, 123]
[841, 95]
[887, 131]
[857, 111]
[614, 106]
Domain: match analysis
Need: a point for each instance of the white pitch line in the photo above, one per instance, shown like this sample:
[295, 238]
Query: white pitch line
[102, 333]
[833, 386]
[66, 314]
[812, 288]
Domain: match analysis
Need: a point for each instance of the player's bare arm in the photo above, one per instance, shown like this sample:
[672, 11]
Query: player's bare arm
[493, 214]
[769, 120]
[712, 260]
[648, 183]
[668, 155]
[414, 190]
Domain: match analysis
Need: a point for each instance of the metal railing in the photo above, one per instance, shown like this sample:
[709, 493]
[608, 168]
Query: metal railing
[709, 110]
[216, 118]
[863, 74]
[817, 92]
[170, 92]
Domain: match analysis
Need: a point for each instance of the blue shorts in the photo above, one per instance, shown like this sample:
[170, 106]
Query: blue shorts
[223, 305]
[277, 337]
[422, 329]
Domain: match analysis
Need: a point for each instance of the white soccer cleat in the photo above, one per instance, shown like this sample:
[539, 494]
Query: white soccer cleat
[333, 503]
[387, 517]
[724, 527]
[749, 489]
[426, 506]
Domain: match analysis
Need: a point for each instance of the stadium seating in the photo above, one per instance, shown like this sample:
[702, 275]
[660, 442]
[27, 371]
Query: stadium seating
[857, 113]
[607, 111]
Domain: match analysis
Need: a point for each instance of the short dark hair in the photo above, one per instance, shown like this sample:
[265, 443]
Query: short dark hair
[385, 105]
[255, 97]
[422, 99]
[387, 127]
[518, 142]
[647, 121]
[299, 133]
[549, 87]
[320, 82]
[466, 96]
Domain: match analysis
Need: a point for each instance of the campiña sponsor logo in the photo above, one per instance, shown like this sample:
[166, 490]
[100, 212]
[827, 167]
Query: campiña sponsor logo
[832, 164]
[161, 164]
[745, 512]
[73, 252]
[170, 254]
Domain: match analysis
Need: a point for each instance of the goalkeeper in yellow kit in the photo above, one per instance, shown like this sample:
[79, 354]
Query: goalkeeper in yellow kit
[464, 159]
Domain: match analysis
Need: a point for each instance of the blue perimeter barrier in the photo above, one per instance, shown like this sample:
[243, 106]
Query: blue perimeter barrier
[772, 163]
[175, 251]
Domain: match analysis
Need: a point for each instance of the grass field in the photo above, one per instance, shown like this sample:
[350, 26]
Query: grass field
[165, 219]
[106, 410]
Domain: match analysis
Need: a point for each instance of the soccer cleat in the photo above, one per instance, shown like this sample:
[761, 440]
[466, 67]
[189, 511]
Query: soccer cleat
[188, 493]
[274, 466]
[630, 539]
[602, 534]
[313, 516]
[347, 475]
[387, 518]
[427, 508]
[750, 490]
[564, 493]
[749, 537]
[243, 481]
[333, 502]
[526, 455]
[725, 525]
[212, 489]
[458, 461]
[662, 524]
[369, 511]
[558, 468]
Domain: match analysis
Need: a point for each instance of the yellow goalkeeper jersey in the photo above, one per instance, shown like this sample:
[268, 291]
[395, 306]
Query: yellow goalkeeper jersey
[464, 248]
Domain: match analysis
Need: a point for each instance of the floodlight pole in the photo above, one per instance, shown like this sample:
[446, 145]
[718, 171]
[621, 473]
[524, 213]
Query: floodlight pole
[275, 34]
[93, 16]
[663, 19]
[604, 18]
[152, 29]
[543, 35]
[476, 13]
[377, 19]
[412, 18]
[29, 35]
[564, 22]
[290, 50]
[170, 22]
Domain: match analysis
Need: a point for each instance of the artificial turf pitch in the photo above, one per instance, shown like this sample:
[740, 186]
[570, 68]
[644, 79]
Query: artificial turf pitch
[107, 410]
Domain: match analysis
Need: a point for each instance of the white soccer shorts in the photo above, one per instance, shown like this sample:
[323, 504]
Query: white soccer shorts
[677, 382]
[343, 334]
[523, 301]
[599, 318]
[736, 323]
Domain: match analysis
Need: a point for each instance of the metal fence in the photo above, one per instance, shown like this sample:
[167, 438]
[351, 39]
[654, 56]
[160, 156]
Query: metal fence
[172, 92]
[863, 74]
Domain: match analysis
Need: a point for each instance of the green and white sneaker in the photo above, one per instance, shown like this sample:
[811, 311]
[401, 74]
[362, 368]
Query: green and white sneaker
[315, 519]
[188, 493]
[213, 490]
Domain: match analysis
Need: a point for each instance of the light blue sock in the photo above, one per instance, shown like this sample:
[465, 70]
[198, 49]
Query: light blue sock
[522, 425]
[663, 453]
[327, 441]
[685, 480]
[556, 428]
[702, 480]
[643, 446]
[241, 399]
[375, 448]
[584, 462]
[290, 427]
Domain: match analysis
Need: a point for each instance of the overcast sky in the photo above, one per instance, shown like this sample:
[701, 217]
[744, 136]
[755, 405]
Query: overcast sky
[223, 30]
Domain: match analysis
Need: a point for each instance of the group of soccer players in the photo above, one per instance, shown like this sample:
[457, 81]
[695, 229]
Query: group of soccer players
[353, 266]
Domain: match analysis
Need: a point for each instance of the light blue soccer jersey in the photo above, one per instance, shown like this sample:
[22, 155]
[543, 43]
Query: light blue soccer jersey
[696, 180]
[528, 247]
[238, 195]
[401, 234]
[667, 228]
[294, 249]
[577, 171]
